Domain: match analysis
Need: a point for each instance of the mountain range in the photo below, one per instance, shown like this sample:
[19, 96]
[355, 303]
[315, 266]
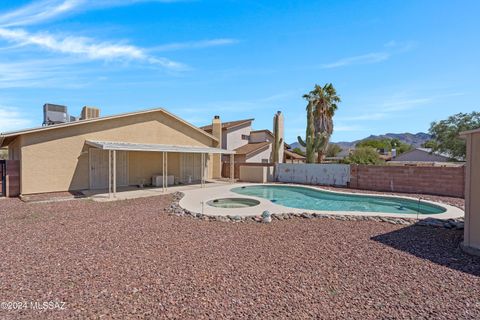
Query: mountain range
[414, 139]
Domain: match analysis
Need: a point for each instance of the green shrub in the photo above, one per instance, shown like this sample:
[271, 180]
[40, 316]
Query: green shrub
[364, 155]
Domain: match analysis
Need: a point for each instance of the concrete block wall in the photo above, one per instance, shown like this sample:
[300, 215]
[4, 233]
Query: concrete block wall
[226, 168]
[314, 173]
[445, 181]
[256, 174]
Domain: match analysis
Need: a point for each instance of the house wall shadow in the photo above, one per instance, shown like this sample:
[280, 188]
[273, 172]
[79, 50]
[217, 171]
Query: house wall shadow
[438, 245]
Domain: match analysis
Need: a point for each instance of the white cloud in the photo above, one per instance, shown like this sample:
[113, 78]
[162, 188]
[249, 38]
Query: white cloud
[46, 10]
[85, 47]
[373, 57]
[44, 73]
[38, 12]
[237, 106]
[194, 44]
[402, 103]
[393, 106]
[12, 119]
[390, 48]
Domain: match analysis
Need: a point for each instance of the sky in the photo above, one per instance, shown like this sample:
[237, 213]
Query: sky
[397, 65]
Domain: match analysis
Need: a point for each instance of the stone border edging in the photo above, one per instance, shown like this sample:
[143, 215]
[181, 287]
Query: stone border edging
[176, 209]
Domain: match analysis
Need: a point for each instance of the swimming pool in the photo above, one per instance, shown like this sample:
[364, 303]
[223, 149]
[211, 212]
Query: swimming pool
[314, 199]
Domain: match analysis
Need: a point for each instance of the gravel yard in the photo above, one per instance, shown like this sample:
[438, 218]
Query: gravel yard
[129, 259]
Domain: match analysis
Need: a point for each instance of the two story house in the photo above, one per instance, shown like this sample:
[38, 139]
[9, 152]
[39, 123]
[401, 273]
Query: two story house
[254, 146]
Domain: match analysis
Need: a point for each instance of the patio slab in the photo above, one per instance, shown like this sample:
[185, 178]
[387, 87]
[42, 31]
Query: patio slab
[125, 193]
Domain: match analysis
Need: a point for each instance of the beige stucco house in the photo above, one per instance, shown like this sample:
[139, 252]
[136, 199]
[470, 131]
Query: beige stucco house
[471, 241]
[109, 152]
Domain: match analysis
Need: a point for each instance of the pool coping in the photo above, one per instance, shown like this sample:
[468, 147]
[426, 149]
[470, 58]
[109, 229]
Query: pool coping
[196, 201]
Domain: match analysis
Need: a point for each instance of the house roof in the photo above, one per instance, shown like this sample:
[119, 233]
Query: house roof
[464, 133]
[294, 155]
[128, 146]
[263, 130]
[252, 147]
[429, 151]
[270, 133]
[14, 134]
[228, 125]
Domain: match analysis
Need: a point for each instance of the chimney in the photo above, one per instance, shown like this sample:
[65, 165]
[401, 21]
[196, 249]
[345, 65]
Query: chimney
[217, 158]
[89, 113]
[279, 140]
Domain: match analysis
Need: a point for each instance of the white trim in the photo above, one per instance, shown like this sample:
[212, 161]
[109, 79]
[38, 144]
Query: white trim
[109, 173]
[114, 152]
[129, 146]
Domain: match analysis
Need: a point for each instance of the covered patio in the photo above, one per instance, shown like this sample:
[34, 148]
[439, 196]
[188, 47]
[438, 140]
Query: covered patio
[112, 170]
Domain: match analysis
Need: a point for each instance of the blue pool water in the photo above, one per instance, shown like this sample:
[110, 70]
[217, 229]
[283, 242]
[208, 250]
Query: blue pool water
[311, 199]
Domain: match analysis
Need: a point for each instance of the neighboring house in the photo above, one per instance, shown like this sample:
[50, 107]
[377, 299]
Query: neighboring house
[421, 155]
[3, 153]
[293, 157]
[254, 152]
[341, 155]
[234, 133]
[120, 150]
[253, 146]
[471, 238]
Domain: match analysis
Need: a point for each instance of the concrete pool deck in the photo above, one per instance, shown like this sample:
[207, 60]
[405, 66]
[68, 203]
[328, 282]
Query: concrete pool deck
[126, 193]
[195, 200]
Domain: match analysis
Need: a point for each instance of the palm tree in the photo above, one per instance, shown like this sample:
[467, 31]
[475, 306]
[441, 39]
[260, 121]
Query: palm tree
[324, 100]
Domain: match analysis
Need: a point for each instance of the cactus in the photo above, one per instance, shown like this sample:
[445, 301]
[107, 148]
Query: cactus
[312, 142]
[278, 142]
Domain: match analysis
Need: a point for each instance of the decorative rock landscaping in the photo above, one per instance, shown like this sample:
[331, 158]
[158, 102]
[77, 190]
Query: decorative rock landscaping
[129, 259]
[176, 209]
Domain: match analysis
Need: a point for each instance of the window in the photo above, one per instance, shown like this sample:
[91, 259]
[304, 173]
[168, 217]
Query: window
[245, 137]
[264, 160]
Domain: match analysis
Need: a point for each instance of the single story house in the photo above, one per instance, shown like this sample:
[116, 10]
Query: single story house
[471, 239]
[113, 151]
[293, 157]
[421, 155]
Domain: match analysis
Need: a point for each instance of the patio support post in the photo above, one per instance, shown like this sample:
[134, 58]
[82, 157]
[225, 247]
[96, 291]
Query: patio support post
[166, 171]
[203, 170]
[163, 171]
[109, 173]
[114, 173]
[232, 168]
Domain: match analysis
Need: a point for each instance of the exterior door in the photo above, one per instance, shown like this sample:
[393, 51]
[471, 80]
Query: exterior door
[99, 168]
[192, 167]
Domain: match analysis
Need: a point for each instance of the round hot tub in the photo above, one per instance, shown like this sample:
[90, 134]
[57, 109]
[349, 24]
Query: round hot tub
[233, 203]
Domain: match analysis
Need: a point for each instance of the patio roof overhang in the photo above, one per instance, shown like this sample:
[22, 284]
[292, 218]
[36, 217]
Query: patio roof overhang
[129, 146]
